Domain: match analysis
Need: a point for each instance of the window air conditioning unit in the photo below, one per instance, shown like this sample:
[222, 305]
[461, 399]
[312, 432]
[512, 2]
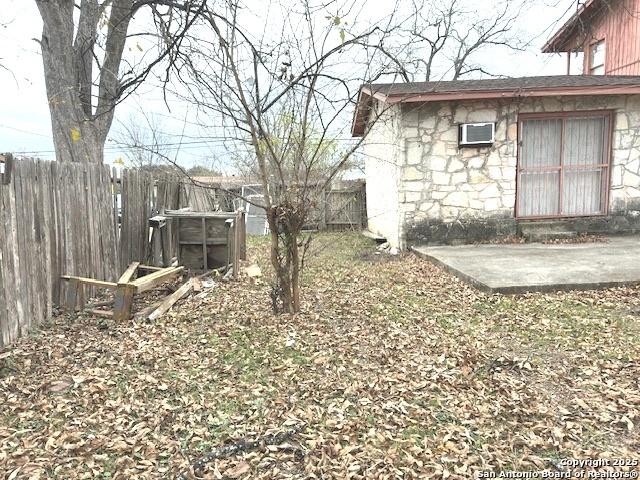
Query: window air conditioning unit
[477, 134]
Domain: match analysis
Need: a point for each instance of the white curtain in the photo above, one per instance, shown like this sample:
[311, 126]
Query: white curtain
[583, 182]
[561, 172]
[539, 186]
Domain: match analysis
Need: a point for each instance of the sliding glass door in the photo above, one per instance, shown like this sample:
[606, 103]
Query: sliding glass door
[563, 165]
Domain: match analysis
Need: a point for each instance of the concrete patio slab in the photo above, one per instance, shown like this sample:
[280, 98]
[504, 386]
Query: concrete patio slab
[536, 267]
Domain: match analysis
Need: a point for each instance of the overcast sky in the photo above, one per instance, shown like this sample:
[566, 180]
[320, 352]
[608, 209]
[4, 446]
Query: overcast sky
[24, 117]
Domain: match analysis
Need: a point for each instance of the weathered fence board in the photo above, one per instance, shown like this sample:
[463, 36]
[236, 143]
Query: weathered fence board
[142, 196]
[200, 199]
[80, 220]
[55, 219]
[339, 209]
[345, 209]
[137, 202]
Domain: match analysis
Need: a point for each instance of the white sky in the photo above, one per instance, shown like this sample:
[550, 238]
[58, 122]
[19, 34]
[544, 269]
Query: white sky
[24, 116]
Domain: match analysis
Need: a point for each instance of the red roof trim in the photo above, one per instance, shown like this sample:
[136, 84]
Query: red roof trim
[361, 115]
[558, 42]
[528, 92]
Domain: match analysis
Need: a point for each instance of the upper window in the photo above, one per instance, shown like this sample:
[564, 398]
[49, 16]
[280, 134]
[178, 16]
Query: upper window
[596, 58]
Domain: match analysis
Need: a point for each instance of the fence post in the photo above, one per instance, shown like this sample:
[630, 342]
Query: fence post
[323, 210]
[362, 197]
[7, 160]
[243, 234]
[228, 224]
[237, 233]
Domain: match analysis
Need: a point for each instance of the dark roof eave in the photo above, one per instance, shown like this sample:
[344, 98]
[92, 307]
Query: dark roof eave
[510, 93]
[361, 117]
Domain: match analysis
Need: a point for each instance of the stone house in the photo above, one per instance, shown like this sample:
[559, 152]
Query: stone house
[561, 149]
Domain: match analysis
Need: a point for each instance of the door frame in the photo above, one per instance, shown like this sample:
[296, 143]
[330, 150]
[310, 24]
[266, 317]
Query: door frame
[609, 113]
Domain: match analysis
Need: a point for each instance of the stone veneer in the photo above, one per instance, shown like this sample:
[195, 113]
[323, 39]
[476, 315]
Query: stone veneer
[447, 194]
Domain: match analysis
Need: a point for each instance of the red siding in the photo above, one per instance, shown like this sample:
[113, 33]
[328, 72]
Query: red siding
[619, 27]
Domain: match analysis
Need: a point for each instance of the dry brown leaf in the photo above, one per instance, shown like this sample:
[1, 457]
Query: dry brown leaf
[239, 470]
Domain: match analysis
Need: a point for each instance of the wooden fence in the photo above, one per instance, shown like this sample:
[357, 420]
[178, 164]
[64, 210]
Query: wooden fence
[55, 219]
[143, 196]
[344, 209]
[73, 219]
[89, 221]
[339, 208]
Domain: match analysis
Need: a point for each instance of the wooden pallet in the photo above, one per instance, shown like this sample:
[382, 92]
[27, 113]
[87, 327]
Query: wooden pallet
[126, 288]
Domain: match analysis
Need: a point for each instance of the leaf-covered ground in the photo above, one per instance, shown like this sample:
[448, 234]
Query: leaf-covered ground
[394, 370]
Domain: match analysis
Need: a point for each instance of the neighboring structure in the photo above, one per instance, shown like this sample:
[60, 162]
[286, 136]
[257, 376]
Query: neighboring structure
[228, 189]
[606, 34]
[553, 147]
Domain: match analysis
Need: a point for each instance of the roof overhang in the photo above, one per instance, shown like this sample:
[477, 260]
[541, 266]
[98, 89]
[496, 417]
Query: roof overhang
[564, 39]
[367, 98]
[361, 114]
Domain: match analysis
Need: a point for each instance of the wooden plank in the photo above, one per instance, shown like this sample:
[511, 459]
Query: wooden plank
[61, 257]
[100, 313]
[325, 205]
[124, 224]
[91, 246]
[178, 246]
[229, 226]
[5, 291]
[5, 178]
[129, 272]
[171, 300]
[72, 294]
[236, 246]
[106, 241]
[189, 214]
[149, 268]
[144, 313]
[47, 282]
[207, 241]
[22, 286]
[123, 303]
[90, 281]
[243, 235]
[8, 260]
[177, 212]
[116, 188]
[152, 280]
[204, 244]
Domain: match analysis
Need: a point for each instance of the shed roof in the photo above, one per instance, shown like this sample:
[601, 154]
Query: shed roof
[502, 84]
[543, 86]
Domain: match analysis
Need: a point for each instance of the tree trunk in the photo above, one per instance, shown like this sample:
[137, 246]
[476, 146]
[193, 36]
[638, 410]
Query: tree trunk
[285, 260]
[79, 129]
[295, 272]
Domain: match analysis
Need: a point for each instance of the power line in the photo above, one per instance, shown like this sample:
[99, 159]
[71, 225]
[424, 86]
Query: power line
[25, 131]
[117, 148]
[212, 142]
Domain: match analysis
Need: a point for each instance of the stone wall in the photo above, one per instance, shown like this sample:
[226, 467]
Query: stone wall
[382, 167]
[449, 194]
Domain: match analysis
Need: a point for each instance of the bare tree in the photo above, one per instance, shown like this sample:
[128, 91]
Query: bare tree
[287, 96]
[142, 140]
[2, 65]
[86, 73]
[443, 38]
